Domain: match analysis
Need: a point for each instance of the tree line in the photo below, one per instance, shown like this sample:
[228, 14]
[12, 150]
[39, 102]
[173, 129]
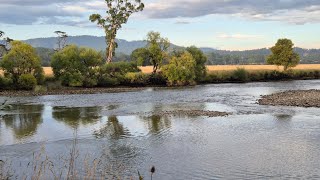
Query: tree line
[85, 67]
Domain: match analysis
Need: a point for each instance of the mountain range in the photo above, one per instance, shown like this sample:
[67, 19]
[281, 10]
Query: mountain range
[215, 56]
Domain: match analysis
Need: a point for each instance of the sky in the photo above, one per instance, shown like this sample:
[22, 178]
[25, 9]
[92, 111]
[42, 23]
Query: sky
[221, 24]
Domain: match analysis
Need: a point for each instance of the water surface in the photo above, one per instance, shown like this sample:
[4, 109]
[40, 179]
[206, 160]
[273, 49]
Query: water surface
[255, 142]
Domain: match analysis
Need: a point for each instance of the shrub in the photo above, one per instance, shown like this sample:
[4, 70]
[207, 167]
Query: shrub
[22, 59]
[240, 75]
[136, 79]
[113, 74]
[5, 83]
[27, 82]
[180, 70]
[77, 66]
[156, 79]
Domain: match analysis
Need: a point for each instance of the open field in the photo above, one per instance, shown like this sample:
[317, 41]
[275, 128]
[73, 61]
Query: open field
[148, 69]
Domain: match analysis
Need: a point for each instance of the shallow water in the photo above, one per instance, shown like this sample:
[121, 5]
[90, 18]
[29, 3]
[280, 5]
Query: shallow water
[255, 142]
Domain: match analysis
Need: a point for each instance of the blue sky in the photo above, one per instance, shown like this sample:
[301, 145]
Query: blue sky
[222, 24]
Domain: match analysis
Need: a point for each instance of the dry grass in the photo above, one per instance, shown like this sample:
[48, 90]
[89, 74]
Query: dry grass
[148, 69]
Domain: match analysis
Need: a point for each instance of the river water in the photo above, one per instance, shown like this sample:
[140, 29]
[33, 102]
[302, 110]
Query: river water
[124, 131]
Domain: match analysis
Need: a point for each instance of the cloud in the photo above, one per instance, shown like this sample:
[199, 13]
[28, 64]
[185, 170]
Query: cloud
[238, 36]
[36, 11]
[182, 22]
[291, 11]
[62, 12]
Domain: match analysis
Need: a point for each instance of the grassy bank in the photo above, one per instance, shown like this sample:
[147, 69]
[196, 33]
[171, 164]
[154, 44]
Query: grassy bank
[243, 75]
[131, 81]
[148, 69]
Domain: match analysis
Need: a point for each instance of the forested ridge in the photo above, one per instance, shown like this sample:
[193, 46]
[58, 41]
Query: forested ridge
[45, 46]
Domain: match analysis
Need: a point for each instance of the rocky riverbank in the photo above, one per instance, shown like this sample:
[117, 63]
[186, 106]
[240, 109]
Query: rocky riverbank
[298, 98]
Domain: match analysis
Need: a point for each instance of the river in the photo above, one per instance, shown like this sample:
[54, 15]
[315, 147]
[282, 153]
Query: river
[124, 131]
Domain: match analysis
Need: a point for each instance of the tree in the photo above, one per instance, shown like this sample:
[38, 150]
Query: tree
[118, 13]
[22, 59]
[62, 40]
[283, 54]
[76, 66]
[141, 56]
[5, 45]
[157, 47]
[181, 70]
[201, 60]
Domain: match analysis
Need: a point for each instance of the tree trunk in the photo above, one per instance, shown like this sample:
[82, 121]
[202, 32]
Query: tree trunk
[110, 51]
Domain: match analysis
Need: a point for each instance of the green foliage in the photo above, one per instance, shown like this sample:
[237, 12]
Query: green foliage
[118, 13]
[77, 66]
[27, 82]
[157, 47]
[142, 56]
[22, 59]
[45, 55]
[181, 70]
[5, 83]
[283, 54]
[157, 79]
[113, 74]
[136, 79]
[240, 75]
[201, 60]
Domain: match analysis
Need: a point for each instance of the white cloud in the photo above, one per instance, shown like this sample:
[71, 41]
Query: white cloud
[238, 36]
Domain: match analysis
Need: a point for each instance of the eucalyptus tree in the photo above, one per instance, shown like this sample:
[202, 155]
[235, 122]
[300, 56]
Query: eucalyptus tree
[158, 47]
[62, 40]
[283, 54]
[118, 13]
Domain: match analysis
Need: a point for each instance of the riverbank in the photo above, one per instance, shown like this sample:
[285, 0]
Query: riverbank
[298, 98]
[69, 91]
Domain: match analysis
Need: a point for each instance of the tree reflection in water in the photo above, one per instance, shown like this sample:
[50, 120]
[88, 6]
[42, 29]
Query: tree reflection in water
[156, 123]
[25, 119]
[113, 129]
[74, 117]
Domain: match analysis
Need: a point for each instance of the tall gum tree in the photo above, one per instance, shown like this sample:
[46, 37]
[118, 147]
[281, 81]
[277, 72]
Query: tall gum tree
[118, 13]
[283, 54]
[158, 47]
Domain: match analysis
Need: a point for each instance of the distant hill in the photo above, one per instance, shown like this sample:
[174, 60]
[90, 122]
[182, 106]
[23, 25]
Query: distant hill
[125, 48]
[95, 42]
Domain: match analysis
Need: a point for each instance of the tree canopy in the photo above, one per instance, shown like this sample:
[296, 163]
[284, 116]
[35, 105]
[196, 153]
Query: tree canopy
[181, 69]
[201, 60]
[118, 14]
[157, 47]
[76, 66]
[283, 54]
[22, 59]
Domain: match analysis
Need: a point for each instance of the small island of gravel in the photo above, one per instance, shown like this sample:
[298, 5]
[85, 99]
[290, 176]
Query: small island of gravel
[298, 98]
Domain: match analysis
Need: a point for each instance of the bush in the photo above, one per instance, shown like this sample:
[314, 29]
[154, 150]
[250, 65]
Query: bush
[27, 82]
[156, 79]
[136, 79]
[240, 75]
[180, 70]
[5, 83]
[77, 66]
[113, 74]
[22, 59]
